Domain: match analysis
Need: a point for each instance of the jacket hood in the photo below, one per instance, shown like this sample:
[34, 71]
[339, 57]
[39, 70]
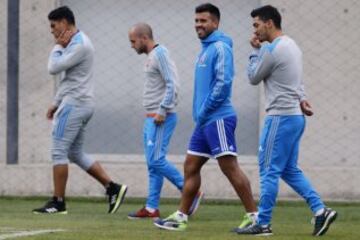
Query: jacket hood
[217, 36]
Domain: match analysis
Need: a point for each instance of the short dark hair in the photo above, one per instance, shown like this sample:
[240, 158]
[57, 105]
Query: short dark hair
[60, 13]
[208, 7]
[266, 13]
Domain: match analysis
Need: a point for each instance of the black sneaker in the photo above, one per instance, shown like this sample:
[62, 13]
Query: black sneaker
[256, 229]
[53, 206]
[322, 222]
[116, 195]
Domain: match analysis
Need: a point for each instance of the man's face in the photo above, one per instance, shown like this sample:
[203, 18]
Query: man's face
[57, 27]
[205, 24]
[261, 29]
[137, 42]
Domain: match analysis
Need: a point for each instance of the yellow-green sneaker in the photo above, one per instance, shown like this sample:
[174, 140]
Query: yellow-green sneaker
[248, 220]
[172, 223]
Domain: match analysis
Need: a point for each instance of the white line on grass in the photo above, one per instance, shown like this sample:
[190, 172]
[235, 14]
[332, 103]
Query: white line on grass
[28, 233]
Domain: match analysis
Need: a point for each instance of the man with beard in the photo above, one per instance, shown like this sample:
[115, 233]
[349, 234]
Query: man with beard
[215, 118]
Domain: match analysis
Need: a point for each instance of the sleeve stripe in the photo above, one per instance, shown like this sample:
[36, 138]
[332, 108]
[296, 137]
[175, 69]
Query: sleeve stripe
[168, 77]
[220, 66]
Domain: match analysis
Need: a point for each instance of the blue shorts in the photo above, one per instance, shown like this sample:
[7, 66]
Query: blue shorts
[214, 140]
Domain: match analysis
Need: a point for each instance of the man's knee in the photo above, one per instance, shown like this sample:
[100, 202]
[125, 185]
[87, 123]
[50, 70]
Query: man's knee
[157, 163]
[193, 164]
[74, 156]
[81, 159]
[59, 156]
[228, 163]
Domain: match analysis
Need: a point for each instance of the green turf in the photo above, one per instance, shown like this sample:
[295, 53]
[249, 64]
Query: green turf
[87, 219]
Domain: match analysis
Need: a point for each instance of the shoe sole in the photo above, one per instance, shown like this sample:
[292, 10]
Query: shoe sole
[330, 219]
[197, 204]
[168, 228]
[140, 218]
[120, 198]
[263, 234]
[238, 231]
[49, 213]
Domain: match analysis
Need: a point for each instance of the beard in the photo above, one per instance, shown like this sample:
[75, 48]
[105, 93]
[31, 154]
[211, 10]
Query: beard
[141, 50]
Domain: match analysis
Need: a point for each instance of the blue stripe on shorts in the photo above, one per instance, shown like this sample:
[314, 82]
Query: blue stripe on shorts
[61, 120]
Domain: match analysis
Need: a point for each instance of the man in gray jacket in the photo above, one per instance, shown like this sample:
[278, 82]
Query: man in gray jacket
[277, 62]
[72, 57]
[160, 99]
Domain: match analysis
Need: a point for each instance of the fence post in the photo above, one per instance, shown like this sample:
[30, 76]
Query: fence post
[12, 132]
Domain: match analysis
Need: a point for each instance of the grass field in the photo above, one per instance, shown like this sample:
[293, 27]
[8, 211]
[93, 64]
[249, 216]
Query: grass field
[87, 219]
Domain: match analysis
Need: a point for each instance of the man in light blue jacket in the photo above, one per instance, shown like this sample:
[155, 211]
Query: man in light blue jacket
[215, 118]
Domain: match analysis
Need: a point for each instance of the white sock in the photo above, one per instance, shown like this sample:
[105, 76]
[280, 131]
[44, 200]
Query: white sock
[181, 216]
[253, 215]
[319, 212]
[150, 210]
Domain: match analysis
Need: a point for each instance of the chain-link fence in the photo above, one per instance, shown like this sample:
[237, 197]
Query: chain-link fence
[326, 31]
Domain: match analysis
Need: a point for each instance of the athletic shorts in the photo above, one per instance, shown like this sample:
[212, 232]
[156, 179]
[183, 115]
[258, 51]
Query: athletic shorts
[214, 140]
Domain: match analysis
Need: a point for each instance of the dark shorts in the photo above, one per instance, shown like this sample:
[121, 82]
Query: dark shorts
[215, 139]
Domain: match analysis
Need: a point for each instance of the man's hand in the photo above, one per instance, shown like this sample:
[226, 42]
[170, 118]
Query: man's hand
[64, 38]
[306, 108]
[255, 42]
[51, 111]
[159, 119]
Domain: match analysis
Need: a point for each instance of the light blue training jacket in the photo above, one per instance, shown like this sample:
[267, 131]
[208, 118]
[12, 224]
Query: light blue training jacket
[214, 72]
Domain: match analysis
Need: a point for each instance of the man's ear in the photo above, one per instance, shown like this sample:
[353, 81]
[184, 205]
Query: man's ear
[144, 37]
[270, 23]
[215, 21]
[65, 23]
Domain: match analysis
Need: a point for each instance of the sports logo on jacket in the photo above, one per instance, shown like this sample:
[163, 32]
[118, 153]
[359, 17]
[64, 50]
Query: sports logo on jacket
[201, 62]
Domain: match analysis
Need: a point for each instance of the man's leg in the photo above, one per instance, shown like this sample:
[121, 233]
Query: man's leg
[297, 180]
[93, 168]
[97, 172]
[152, 140]
[161, 164]
[178, 220]
[229, 166]
[60, 176]
[198, 154]
[192, 168]
[115, 192]
[152, 148]
[221, 137]
[277, 142]
[62, 138]
[272, 161]
[77, 156]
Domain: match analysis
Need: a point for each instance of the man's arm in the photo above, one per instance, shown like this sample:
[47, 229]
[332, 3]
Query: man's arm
[62, 59]
[168, 73]
[224, 74]
[261, 62]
